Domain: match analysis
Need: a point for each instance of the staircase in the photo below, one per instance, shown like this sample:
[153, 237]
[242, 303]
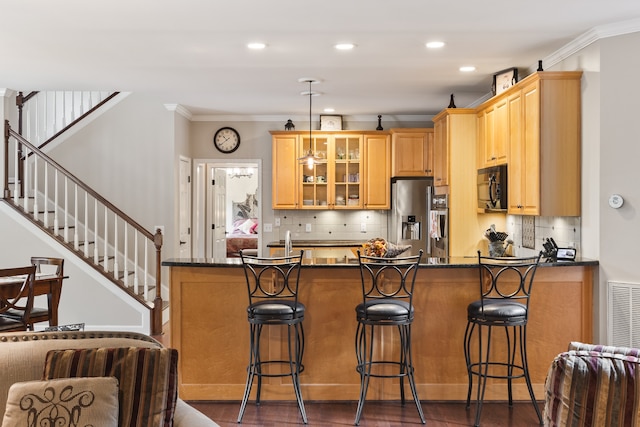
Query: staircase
[68, 210]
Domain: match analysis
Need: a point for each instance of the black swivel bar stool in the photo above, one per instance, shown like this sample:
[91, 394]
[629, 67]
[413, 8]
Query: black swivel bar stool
[505, 291]
[272, 284]
[387, 292]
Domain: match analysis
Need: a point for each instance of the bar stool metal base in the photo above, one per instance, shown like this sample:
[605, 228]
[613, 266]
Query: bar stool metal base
[366, 365]
[484, 368]
[294, 363]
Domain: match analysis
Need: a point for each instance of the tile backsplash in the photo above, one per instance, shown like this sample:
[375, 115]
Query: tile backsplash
[348, 225]
[564, 230]
[331, 224]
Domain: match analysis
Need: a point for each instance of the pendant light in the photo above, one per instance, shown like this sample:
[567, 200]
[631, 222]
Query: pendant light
[309, 159]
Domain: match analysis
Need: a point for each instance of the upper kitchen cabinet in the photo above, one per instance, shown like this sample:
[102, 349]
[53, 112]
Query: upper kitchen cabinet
[334, 182]
[455, 174]
[344, 167]
[544, 134]
[377, 170]
[412, 152]
[284, 173]
[453, 128]
[493, 133]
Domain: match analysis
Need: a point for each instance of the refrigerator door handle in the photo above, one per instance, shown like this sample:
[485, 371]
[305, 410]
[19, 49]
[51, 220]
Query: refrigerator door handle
[428, 237]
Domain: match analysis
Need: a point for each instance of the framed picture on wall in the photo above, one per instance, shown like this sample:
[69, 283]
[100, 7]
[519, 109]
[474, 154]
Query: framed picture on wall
[330, 122]
[504, 79]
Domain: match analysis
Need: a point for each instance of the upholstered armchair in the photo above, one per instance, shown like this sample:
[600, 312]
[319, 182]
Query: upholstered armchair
[593, 385]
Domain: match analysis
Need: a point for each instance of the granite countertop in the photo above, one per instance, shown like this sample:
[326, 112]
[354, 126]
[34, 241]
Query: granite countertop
[454, 262]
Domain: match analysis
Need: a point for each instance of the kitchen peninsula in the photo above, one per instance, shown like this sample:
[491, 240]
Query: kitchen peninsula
[209, 328]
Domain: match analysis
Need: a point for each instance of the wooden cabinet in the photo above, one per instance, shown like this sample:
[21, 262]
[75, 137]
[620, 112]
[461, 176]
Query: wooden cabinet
[333, 183]
[284, 173]
[441, 150]
[377, 171]
[544, 162]
[493, 133]
[412, 152]
[344, 178]
[456, 175]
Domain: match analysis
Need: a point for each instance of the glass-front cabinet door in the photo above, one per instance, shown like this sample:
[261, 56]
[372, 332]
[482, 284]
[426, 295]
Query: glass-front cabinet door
[314, 179]
[334, 182]
[346, 186]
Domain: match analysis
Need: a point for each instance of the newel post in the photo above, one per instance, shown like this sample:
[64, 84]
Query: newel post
[156, 327]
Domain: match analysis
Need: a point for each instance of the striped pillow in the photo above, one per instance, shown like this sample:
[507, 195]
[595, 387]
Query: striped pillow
[148, 379]
[585, 388]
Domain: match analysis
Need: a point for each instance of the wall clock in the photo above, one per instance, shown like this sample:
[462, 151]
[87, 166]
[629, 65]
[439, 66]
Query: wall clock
[226, 140]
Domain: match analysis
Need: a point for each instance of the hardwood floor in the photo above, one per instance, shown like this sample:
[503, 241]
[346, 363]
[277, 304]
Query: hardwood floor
[375, 414]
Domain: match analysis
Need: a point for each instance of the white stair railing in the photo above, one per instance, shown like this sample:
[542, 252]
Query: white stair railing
[121, 257]
[49, 113]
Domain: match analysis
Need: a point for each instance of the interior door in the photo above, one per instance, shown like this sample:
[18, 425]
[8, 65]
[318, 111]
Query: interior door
[219, 210]
[185, 208]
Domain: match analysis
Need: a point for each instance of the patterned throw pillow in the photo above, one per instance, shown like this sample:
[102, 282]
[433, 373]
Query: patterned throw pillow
[63, 402]
[148, 379]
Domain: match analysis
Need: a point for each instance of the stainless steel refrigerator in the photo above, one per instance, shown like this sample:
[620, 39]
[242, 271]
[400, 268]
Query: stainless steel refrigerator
[411, 221]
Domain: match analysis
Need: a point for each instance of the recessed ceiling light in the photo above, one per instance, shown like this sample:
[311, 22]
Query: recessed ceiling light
[329, 110]
[345, 46]
[467, 68]
[256, 45]
[435, 45]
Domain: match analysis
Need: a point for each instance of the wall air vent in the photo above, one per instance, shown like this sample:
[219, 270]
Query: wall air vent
[623, 322]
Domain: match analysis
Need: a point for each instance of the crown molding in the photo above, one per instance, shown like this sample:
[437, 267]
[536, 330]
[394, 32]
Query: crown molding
[177, 108]
[305, 119]
[588, 37]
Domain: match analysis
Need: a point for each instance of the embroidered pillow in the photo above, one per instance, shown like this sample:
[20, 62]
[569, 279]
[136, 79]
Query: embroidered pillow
[63, 402]
[148, 379]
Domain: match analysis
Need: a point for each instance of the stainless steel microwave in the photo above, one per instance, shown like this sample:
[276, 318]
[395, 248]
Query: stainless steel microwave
[492, 189]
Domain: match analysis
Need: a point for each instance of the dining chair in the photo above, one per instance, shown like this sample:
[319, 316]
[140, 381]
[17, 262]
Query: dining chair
[44, 314]
[44, 265]
[16, 294]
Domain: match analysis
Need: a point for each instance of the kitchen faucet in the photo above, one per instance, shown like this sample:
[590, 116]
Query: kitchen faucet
[288, 245]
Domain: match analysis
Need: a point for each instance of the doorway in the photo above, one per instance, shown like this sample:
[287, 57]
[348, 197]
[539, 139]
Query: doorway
[227, 208]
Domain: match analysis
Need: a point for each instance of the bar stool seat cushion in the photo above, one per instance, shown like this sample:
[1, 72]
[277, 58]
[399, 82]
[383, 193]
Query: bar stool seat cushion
[498, 310]
[385, 309]
[276, 310]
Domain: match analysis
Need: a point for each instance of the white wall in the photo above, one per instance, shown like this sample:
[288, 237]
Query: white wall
[130, 159]
[619, 161]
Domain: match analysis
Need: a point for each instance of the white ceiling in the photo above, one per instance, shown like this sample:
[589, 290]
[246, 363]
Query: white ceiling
[193, 52]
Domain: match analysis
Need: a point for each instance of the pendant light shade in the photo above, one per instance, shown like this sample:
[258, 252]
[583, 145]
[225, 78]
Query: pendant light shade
[310, 158]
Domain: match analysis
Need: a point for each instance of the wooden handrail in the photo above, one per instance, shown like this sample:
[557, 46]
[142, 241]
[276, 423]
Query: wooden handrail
[11, 133]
